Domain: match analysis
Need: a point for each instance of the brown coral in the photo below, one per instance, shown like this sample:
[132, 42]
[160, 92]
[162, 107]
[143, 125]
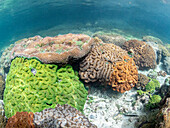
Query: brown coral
[103, 61]
[144, 55]
[58, 49]
[21, 120]
[142, 81]
[63, 116]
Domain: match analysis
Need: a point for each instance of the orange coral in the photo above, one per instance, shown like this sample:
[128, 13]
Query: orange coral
[57, 49]
[21, 120]
[124, 75]
[110, 64]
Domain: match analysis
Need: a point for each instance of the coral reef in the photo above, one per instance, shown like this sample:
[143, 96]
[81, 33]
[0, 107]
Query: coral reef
[58, 49]
[163, 117]
[21, 120]
[32, 87]
[144, 55]
[109, 64]
[153, 102]
[2, 86]
[63, 116]
[111, 38]
[166, 64]
[162, 73]
[142, 81]
[152, 85]
[3, 119]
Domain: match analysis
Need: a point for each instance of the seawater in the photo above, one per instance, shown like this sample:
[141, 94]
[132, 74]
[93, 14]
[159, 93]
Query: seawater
[24, 18]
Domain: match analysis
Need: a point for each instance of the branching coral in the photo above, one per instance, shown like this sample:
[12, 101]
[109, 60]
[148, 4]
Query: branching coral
[32, 87]
[57, 49]
[111, 64]
[144, 55]
[21, 120]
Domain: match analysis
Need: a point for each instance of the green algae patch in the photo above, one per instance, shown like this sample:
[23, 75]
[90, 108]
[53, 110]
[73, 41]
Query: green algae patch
[153, 102]
[32, 86]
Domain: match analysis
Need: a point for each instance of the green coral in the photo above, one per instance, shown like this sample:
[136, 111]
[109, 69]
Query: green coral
[152, 85]
[32, 86]
[153, 102]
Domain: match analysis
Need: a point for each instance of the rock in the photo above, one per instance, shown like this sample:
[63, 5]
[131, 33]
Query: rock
[152, 39]
[163, 117]
[166, 64]
[2, 86]
[111, 38]
[152, 74]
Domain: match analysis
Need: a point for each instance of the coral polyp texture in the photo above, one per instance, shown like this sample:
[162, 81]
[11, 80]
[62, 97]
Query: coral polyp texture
[110, 64]
[32, 86]
[144, 55]
[62, 116]
[58, 49]
[21, 120]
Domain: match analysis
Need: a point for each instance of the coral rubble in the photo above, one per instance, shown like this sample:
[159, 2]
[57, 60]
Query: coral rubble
[144, 55]
[111, 64]
[21, 120]
[58, 49]
[32, 86]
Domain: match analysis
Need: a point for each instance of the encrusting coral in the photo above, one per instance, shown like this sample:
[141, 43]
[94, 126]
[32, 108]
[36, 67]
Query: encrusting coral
[110, 64]
[62, 116]
[32, 86]
[58, 49]
[144, 55]
[21, 120]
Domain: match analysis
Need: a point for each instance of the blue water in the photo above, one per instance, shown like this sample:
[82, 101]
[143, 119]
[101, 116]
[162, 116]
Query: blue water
[25, 18]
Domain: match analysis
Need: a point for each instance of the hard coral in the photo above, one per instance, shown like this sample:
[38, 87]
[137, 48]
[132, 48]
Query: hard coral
[142, 81]
[124, 75]
[63, 116]
[21, 120]
[58, 49]
[32, 86]
[144, 55]
[2, 86]
[3, 119]
[111, 64]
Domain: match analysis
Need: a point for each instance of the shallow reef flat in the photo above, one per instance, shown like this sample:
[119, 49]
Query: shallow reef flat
[91, 80]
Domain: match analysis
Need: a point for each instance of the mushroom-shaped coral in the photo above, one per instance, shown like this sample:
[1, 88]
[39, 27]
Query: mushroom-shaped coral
[63, 116]
[111, 64]
[58, 49]
[144, 55]
[21, 120]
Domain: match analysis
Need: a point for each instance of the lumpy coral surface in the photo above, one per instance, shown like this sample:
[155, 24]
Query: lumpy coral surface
[32, 86]
[58, 49]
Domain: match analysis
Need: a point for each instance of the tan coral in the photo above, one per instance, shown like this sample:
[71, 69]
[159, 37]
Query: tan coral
[57, 49]
[100, 62]
[21, 120]
[144, 55]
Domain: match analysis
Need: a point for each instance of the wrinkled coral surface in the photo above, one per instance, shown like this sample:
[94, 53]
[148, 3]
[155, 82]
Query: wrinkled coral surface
[111, 64]
[125, 75]
[21, 120]
[57, 49]
[63, 116]
[144, 55]
[32, 87]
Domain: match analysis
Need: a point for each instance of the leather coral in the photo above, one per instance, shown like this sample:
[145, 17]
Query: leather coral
[110, 64]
